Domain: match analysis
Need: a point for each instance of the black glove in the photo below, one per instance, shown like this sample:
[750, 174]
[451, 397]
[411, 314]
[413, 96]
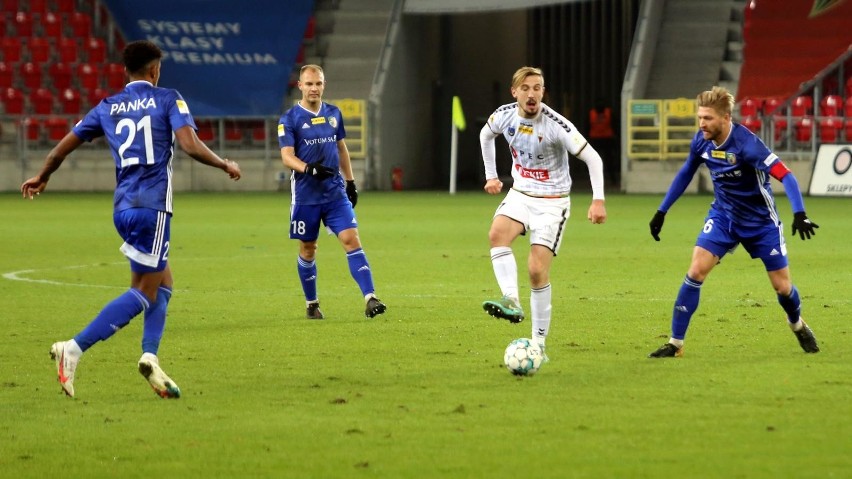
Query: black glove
[352, 192]
[319, 171]
[803, 225]
[657, 224]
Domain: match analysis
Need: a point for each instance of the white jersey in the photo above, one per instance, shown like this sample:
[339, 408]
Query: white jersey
[539, 149]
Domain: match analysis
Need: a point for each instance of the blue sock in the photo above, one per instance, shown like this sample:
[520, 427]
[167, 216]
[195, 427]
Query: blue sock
[792, 305]
[308, 277]
[360, 270]
[685, 304]
[113, 317]
[155, 321]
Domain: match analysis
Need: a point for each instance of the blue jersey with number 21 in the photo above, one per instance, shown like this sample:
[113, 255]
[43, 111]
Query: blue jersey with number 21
[139, 124]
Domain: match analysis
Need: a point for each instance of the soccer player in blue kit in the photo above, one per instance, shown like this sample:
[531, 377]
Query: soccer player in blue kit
[140, 124]
[743, 212]
[311, 137]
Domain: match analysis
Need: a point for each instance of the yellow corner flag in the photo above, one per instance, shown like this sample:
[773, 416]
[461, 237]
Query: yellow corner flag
[458, 114]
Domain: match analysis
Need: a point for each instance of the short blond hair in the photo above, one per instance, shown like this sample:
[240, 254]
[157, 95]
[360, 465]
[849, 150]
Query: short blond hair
[525, 72]
[717, 98]
[311, 66]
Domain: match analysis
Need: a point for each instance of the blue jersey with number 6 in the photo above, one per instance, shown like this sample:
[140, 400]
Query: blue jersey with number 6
[139, 124]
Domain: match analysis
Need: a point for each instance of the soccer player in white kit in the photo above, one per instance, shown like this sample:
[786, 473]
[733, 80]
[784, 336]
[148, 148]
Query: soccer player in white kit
[540, 141]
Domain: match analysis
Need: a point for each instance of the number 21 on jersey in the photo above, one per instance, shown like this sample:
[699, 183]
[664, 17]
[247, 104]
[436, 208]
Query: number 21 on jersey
[131, 127]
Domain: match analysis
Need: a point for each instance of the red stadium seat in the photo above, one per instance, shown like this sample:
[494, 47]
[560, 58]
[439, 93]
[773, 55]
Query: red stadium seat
[52, 25]
[60, 75]
[829, 129]
[9, 6]
[39, 49]
[11, 47]
[849, 87]
[81, 25]
[7, 75]
[770, 105]
[206, 131]
[750, 107]
[23, 22]
[831, 105]
[753, 123]
[56, 127]
[804, 129]
[95, 96]
[66, 48]
[31, 75]
[88, 76]
[95, 50]
[41, 101]
[233, 132]
[848, 128]
[801, 106]
[66, 7]
[32, 130]
[38, 7]
[70, 102]
[258, 131]
[847, 107]
[13, 101]
[115, 79]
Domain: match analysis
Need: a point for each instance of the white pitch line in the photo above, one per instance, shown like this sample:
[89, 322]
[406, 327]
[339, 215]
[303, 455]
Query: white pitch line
[16, 276]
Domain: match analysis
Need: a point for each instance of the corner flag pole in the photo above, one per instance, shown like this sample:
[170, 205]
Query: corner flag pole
[458, 124]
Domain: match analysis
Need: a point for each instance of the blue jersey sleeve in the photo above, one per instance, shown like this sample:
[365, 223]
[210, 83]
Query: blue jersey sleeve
[683, 177]
[178, 111]
[89, 127]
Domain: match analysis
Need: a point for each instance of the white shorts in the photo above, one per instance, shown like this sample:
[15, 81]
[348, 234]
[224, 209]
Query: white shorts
[544, 218]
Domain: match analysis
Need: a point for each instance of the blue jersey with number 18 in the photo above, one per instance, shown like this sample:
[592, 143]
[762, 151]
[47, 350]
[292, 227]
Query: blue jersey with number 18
[314, 138]
[139, 124]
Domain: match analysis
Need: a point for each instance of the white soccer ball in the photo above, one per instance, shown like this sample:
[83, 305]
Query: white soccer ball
[522, 357]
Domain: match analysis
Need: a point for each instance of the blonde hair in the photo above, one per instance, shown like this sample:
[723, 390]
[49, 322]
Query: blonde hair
[717, 98]
[525, 72]
[311, 66]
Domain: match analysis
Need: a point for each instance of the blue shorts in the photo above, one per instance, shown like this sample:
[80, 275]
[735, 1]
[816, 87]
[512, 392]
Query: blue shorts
[720, 237]
[146, 234]
[305, 219]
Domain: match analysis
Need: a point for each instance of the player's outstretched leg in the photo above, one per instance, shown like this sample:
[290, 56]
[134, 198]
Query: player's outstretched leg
[149, 367]
[806, 338]
[506, 308]
[67, 356]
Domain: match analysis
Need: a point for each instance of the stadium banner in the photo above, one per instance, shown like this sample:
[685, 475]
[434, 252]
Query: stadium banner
[226, 58]
[832, 175]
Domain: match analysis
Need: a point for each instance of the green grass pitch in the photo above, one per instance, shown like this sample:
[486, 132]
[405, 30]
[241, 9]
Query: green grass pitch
[421, 391]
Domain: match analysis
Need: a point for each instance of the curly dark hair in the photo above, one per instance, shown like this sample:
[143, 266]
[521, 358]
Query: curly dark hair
[138, 54]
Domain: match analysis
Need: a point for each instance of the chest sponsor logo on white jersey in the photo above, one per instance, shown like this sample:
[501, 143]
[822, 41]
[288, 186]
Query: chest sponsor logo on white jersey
[525, 129]
[533, 174]
[525, 154]
[135, 105]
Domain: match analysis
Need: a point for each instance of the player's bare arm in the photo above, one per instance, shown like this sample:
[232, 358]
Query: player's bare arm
[52, 162]
[194, 147]
[345, 161]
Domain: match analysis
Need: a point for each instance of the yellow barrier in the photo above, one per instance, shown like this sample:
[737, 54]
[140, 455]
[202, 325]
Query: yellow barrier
[660, 129]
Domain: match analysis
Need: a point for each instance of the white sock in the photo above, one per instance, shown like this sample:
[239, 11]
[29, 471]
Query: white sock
[797, 326]
[676, 342]
[73, 349]
[505, 270]
[540, 306]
